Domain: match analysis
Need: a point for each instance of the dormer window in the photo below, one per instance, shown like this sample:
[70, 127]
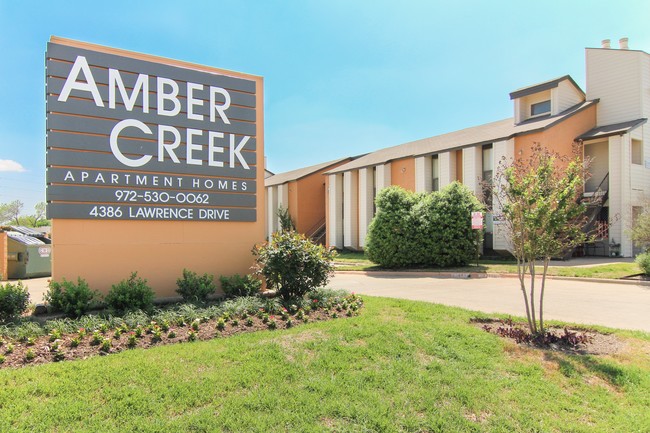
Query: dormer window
[547, 98]
[540, 108]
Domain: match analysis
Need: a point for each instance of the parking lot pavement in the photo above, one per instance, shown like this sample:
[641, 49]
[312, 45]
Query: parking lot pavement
[37, 288]
[625, 306]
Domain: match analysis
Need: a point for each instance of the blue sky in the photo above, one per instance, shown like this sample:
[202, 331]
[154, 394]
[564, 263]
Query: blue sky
[341, 77]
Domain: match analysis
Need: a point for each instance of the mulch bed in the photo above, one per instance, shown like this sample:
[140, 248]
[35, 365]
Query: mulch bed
[590, 342]
[43, 352]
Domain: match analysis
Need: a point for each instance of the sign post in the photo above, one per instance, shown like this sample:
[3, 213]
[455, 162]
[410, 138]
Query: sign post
[477, 225]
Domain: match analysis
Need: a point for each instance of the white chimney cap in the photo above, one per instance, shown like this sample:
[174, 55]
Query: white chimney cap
[605, 43]
[622, 43]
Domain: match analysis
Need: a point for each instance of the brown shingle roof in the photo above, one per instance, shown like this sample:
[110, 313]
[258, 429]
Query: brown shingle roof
[473, 136]
[288, 176]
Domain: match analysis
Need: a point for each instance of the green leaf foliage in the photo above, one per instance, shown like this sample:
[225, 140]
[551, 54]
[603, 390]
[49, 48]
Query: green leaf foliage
[292, 264]
[73, 299]
[14, 299]
[195, 288]
[643, 260]
[237, 285]
[415, 229]
[130, 295]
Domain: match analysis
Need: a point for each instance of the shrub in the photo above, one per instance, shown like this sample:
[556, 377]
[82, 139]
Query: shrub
[292, 264]
[445, 230]
[392, 235]
[14, 299]
[193, 287]
[237, 285]
[643, 260]
[74, 300]
[130, 295]
[423, 229]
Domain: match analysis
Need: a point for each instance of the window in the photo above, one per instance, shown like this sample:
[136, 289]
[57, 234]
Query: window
[637, 152]
[374, 190]
[540, 108]
[488, 168]
[435, 173]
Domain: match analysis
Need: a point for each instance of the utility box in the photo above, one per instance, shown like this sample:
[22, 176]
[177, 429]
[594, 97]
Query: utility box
[27, 256]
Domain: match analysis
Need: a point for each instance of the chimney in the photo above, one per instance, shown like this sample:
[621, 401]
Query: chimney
[605, 43]
[622, 43]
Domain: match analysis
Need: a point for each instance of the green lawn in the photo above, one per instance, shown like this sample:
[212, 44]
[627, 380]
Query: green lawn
[400, 366]
[357, 261]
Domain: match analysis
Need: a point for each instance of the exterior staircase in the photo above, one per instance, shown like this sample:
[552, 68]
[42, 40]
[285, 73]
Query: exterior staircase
[317, 232]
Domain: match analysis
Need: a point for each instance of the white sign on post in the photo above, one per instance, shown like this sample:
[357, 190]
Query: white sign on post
[477, 220]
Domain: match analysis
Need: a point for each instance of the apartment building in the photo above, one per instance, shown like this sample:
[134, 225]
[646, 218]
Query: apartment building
[303, 193]
[609, 121]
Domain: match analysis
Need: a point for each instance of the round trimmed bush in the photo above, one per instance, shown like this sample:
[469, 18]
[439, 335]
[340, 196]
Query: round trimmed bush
[195, 288]
[130, 295]
[72, 299]
[14, 299]
[293, 265]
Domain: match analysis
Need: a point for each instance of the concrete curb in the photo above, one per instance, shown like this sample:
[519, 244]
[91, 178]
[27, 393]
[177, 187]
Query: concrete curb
[475, 275]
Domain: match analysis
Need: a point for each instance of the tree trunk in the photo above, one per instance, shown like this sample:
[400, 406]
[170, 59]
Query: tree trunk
[541, 297]
[531, 265]
[521, 273]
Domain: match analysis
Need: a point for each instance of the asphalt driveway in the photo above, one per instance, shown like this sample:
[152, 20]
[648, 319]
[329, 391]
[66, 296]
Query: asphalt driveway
[617, 305]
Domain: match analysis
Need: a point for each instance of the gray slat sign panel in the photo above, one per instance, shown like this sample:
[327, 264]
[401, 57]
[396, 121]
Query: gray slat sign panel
[95, 194]
[137, 144]
[68, 158]
[138, 140]
[135, 212]
[120, 179]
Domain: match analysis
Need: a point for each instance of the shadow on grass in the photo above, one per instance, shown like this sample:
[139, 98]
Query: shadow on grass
[576, 365]
[342, 266]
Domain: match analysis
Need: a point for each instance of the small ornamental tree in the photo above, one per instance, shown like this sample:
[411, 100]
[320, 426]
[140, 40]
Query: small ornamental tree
[641, 230]
[540, 203]
[286, 222]
[292, 264]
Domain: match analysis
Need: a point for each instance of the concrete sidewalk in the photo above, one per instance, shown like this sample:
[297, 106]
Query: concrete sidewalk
[624, 305]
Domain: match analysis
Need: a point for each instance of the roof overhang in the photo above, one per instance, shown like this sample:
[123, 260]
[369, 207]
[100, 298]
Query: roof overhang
[611, 130]
[546, 85]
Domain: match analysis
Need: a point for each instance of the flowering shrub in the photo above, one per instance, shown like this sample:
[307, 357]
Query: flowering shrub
[132, 340]
[106, 345]
[293, 265]
[29, 355]
[107, 334]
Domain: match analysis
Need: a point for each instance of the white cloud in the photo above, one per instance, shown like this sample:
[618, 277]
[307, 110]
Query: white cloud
[9, 165]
